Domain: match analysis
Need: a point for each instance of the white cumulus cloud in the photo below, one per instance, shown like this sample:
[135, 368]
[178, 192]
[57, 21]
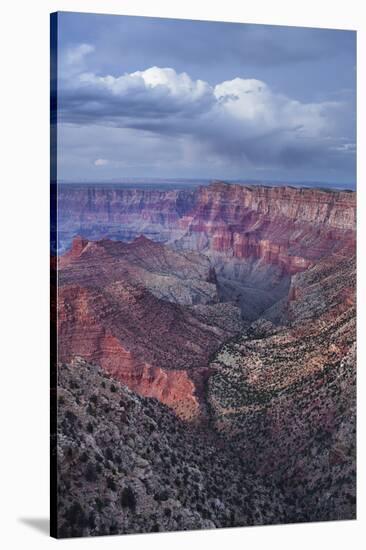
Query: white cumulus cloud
[240, 120]
[77, 53]
[101, 162]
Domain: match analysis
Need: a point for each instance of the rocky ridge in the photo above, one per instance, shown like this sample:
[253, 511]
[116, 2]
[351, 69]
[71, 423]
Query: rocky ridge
[288, 394]
[127, 464]
[146, 314]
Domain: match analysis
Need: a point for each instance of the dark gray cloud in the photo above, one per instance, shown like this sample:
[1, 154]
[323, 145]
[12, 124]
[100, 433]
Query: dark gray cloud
[135, 41]
[150, 95]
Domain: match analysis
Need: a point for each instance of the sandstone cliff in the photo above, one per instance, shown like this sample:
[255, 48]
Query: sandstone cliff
[256, 237]
[129, 308]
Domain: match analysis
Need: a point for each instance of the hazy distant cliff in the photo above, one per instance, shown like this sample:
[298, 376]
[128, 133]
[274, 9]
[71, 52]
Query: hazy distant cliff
[230, 214]
[96, 204]
[262, 235]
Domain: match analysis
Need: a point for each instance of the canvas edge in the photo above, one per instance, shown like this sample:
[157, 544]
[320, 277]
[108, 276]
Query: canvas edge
[53, 275]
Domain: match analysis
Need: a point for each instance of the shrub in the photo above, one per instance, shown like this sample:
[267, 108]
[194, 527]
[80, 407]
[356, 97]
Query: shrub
[75, 515]
[91, 472]
[111, 484]
[109, 453]
[90, 427]
[84, 457]
[99, 504]
[94, 399]
[70, 416]
[128, 498]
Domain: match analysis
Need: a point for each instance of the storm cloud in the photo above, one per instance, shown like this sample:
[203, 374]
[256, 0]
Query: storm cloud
[164, 122]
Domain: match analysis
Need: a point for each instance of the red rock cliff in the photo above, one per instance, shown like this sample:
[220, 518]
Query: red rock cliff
[107, 315]
[287, 226]
[280, 225]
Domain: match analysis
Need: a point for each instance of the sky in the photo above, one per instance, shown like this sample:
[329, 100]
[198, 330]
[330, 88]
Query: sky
[168, 98]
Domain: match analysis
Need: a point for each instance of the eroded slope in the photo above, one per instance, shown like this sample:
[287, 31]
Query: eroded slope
[127, 464]
[288, 394]
[146, 314]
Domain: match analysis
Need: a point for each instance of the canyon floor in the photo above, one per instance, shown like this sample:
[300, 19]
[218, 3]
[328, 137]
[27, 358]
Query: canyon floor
[206, 371]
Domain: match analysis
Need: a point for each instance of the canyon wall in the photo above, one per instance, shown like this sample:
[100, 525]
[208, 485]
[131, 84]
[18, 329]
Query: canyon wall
[152, 314]
[287, 395]
[255, 237]
[282, 225]
[244, 220]
[111, 211]
[146, 314]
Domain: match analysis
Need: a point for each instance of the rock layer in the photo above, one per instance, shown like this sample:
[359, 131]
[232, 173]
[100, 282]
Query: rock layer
[256, 237]
[108, 313]
[145, 311]
[276, 223]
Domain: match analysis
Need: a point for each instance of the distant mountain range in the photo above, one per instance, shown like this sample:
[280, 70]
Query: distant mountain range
[193, 182]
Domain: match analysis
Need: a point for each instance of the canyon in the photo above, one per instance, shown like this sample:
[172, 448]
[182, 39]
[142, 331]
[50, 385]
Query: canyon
[228, 310]
[255, 237]
[146, 314]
